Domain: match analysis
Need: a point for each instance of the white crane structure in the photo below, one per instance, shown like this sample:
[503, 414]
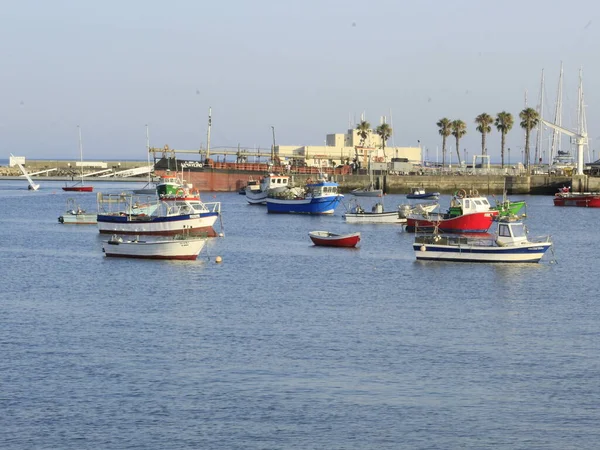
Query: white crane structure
[580, 137]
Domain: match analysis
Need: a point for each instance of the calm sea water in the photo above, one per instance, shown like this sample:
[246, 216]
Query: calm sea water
[286, 345]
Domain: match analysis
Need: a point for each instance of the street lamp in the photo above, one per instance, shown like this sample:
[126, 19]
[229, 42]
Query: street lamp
[509, 156]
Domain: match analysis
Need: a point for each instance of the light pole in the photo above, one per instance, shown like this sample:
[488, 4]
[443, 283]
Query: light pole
[509, 156]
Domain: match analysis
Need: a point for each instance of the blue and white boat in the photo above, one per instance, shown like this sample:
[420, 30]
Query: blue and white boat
[421, 194]
[321, 197]
[124, 214]
[510, 244]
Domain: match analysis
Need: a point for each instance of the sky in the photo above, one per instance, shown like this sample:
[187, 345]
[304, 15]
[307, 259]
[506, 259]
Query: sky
[307, 68]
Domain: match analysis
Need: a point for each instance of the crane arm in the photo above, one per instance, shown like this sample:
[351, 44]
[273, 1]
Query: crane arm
[561, 129]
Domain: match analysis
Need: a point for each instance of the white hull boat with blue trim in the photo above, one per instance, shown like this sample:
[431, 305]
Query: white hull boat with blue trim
[509, 245]
[122, 214]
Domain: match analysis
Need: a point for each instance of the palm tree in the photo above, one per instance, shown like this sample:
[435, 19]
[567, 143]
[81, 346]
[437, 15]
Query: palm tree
[459, 129]
[484, 122]
[504, 123]
[384, 131]
[364, 129]
[529, 120]
[445, 130]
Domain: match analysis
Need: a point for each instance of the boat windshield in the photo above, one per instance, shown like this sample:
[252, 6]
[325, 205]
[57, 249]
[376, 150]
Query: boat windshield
[518, 230]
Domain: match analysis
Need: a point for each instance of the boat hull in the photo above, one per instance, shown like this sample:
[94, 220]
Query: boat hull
[367, 192]
[256, 197]
[580, 200]
[478, 222]
[159, 226]
[78, 188]
[326, 239]
[315, 205]
[429, 196]
[530, 253]
[184, 249]
[373, 217]
[78, 219]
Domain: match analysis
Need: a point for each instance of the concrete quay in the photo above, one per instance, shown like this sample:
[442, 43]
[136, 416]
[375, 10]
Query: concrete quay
[228, 180]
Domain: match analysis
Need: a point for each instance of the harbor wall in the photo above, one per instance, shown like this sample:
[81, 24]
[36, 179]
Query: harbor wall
[226, 179]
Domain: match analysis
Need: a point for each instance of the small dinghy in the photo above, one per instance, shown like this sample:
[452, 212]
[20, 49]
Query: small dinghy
[328, 239]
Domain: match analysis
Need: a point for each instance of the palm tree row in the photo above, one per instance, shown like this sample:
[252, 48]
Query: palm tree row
[384, 131]
[503, 122]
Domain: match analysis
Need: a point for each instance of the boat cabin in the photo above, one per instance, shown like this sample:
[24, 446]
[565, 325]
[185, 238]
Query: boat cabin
[274, 181]
[510, 232]
[467, 204]
[322, 189]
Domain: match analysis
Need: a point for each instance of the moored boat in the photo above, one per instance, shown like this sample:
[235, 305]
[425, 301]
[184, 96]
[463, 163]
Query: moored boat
[320, 197]
[125, 214]
[564, 197]
[179, 248]
[75, 215]
[269, 184]
[328, 239]
[80, 186]
[468, 213]
[418, 193]
[357, 214]
[171, 187]
[369, 191]
[510, 244]
[406, 209]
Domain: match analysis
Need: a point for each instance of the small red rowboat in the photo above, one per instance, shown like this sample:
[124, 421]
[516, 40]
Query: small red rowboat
[325, 238]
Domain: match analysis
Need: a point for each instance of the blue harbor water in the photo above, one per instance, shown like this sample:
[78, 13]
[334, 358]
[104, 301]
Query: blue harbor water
[286, 345]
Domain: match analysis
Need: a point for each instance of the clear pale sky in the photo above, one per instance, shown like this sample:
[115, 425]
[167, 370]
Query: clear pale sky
[306, 67]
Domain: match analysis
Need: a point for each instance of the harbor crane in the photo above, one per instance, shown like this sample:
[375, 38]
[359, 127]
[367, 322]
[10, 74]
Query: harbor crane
[579, 139]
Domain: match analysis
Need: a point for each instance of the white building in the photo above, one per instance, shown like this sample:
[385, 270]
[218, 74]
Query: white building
[341, 148]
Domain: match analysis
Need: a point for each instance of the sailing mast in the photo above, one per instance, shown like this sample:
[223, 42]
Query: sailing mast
[581, 121]
[80, 153]
[538, 142]
[148, 154]
[208, 132]
[555, 147]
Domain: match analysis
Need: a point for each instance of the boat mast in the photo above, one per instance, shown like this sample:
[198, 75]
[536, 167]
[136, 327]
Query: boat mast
[273, 147]
[556, 141]
[208, 132]
[80, 152]
[538, 142]
[581, 121]
[148, 153]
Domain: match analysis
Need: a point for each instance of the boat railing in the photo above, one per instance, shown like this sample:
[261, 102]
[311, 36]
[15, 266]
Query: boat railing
[455, 240]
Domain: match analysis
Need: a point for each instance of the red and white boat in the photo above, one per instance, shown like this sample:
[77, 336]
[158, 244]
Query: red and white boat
[80, 186]
[328, 239]
[564, 197]
[468, 213]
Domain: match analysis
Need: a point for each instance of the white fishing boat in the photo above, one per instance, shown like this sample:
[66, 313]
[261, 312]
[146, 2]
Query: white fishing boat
[269, 185]
[510, 244]
[368, 191]
[180, 247]
[377, 214]
[74, 215]
[406, 209]
[127, 214]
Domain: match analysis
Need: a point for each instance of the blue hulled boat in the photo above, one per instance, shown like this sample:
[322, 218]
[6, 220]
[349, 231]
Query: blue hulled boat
[319, 197]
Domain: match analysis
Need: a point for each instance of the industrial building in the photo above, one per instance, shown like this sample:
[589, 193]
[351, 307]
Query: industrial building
[347, 148]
